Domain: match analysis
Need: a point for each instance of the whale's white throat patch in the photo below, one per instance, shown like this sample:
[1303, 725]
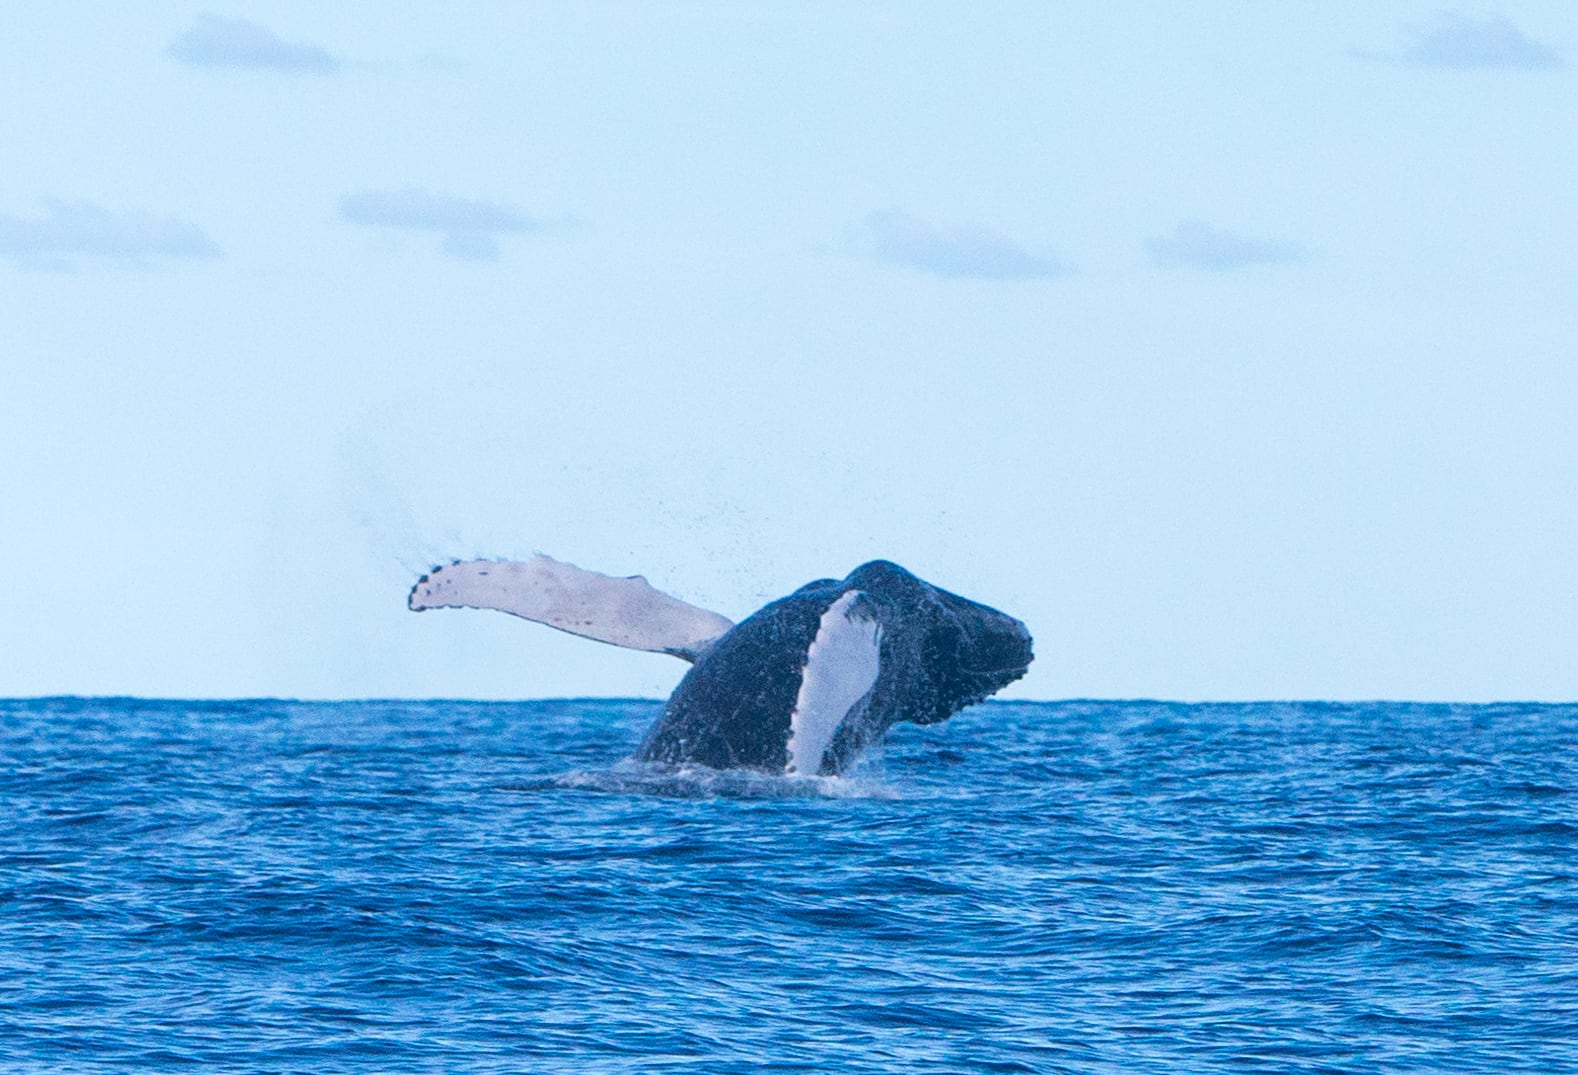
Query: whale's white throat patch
[840, 668]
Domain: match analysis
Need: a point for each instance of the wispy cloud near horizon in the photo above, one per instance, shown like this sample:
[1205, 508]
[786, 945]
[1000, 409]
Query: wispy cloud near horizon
[216, 41]
[1455, 40]
[82, 229]
[954, 251]
[1197, 245]
[470, 226]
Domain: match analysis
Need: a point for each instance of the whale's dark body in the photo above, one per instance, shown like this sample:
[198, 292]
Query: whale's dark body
[802, 686]
[938, 653]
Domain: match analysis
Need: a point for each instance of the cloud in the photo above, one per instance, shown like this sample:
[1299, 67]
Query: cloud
[470, 227]
[1197, 245]
[1461, 41]
[950, 251]
[215, 41]
[83, 229]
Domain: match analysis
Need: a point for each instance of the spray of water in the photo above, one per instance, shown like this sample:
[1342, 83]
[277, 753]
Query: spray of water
[630, 777]
[377, 510]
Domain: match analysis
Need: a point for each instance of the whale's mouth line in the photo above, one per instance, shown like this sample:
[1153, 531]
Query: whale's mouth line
[1020, 668]
[1017, 663]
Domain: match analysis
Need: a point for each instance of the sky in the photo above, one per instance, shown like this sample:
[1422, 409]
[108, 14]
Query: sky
[1231, 346]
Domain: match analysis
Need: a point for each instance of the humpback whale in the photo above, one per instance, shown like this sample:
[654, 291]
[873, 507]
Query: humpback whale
[802, 686]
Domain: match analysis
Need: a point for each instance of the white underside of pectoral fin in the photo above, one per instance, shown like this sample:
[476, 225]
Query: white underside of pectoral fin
[841, 667]
[626, 612]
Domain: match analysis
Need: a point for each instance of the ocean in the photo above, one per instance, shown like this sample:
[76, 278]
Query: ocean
[1083, 886]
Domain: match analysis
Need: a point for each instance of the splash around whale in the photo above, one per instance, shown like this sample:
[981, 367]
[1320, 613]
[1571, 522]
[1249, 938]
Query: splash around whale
[802, 686]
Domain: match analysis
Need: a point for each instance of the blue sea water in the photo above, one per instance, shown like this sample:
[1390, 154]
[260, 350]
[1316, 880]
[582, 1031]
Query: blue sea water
[1032, 887]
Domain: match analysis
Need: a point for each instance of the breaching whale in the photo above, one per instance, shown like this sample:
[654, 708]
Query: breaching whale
[801, 686]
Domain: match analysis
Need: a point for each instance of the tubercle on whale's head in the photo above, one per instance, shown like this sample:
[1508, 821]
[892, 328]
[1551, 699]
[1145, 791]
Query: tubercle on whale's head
[994, 642]
[978, 650]
[969, 650]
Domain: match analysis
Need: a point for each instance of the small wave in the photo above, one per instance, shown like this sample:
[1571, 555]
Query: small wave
[630, 777]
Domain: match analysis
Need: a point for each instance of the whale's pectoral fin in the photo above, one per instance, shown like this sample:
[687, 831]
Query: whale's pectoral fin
[841, 667]
[626, 612]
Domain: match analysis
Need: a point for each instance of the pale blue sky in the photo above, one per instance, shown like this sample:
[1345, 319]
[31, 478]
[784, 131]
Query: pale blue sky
[1234, 347]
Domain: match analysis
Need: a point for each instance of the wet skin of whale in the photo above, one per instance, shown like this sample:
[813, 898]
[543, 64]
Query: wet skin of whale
[802, 686]
[936, 653]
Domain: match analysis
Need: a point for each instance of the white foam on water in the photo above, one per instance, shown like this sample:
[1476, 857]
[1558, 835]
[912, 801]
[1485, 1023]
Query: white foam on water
[630, 777]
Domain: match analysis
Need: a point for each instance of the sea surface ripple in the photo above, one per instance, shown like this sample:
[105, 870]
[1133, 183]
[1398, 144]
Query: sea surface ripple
[1032, 887]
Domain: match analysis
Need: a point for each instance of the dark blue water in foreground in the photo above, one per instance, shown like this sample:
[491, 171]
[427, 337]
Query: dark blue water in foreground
[1092, 887]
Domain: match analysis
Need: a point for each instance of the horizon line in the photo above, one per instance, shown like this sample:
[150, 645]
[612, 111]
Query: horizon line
[1073, 700]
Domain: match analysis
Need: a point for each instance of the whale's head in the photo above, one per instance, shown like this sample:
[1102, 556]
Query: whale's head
[966, 649]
